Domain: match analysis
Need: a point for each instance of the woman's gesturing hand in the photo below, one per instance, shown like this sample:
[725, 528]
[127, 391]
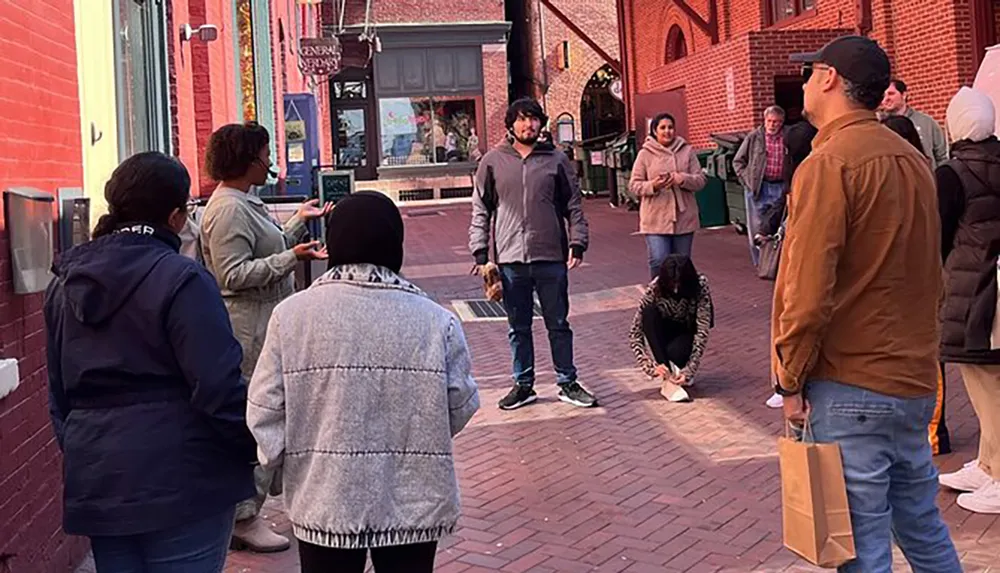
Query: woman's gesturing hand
[310, 210]
[309, 251]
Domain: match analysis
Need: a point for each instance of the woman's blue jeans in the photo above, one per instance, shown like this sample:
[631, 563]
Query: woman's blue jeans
[198, 547]
[659, 246]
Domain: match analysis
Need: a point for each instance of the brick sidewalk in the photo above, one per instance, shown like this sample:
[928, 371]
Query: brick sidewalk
[638, 485]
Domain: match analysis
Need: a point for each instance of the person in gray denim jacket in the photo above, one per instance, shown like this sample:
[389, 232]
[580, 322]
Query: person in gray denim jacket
[525, 194]
[252, 258]
[359, 412]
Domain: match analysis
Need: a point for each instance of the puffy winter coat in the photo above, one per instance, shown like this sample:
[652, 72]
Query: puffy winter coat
[969, 198]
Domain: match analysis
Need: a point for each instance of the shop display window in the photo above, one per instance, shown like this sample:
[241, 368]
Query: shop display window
[431, 130]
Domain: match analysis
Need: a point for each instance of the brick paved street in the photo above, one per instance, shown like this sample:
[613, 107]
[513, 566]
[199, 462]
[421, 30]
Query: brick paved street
[638, 485]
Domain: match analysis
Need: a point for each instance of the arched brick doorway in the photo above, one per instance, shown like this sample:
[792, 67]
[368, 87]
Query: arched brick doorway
[601, 114]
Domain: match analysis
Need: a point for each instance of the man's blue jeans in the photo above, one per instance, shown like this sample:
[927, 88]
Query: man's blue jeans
[550, 281]
[658, 247]
[770, 193]
[199, 547]
[891, 481]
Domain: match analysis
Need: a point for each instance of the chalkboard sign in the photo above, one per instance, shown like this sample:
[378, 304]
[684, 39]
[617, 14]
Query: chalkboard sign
[335, 185]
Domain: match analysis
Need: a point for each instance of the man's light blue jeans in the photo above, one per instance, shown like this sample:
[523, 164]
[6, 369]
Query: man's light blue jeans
[891, 481]
[770, 193]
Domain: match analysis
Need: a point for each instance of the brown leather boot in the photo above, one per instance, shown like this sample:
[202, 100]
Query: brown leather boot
[254, 535]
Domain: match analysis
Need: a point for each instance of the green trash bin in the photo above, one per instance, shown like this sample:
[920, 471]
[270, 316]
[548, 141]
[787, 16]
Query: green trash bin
[728, 144]
[712, 208]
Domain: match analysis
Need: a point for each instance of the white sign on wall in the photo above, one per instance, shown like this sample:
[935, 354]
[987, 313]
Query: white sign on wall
[730, 90]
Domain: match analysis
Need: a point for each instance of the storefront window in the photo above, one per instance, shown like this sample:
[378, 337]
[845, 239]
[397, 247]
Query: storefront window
[413, 135]
[406, 134]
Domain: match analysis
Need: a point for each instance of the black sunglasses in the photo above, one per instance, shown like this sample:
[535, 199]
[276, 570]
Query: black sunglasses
[808, 69]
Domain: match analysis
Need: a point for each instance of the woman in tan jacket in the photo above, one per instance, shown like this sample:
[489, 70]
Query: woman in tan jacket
[665, 176]
[253, 259]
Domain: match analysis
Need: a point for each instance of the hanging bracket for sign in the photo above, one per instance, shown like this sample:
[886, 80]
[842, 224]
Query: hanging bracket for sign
[320, 56]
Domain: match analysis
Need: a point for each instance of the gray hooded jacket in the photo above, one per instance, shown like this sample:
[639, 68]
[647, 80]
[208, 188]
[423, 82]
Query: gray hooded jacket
[527, 201]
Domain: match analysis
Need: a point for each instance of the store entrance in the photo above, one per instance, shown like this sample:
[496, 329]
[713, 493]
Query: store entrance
[352, 122]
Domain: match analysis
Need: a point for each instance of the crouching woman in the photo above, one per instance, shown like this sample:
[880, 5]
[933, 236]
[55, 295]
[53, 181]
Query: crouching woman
[673, 320]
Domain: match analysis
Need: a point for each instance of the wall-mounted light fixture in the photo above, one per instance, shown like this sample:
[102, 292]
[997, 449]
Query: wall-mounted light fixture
[205, 33]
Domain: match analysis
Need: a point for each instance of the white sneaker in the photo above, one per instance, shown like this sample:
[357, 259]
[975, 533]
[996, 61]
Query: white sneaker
[969, 479]
[775, 401]
[674, 393]
[984, 500]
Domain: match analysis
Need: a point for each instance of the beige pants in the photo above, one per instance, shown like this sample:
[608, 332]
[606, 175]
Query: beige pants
[983, 385]
[249, 319]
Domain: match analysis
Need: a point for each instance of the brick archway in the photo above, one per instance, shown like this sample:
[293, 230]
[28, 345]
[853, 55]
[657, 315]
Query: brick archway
[601, 114]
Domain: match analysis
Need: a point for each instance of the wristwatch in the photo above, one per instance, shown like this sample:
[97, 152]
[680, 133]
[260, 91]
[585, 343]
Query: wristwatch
[782, 392]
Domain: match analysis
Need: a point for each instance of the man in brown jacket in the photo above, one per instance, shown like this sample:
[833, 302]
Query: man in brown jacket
[855, 324]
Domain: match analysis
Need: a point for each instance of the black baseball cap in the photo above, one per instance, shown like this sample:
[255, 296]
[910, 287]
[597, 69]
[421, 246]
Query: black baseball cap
[857, 58]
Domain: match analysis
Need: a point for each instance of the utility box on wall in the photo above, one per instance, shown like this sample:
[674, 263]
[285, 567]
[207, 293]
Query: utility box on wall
[74, 218]
[28, 213]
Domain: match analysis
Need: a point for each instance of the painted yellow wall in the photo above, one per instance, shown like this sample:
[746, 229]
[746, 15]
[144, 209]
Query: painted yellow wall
[95, 52]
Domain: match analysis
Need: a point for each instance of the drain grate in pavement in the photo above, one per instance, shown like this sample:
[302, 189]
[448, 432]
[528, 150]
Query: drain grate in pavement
[482, 309]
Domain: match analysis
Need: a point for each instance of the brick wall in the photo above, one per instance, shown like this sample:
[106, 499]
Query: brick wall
[932, 53]
[599, 20]
[927, 42]
[182, 104]
[402, 11]
[39, 147]
[495, 94]
[203, 93]
[202, 96]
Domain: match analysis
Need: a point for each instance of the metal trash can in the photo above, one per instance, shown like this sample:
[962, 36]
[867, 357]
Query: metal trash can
[712, 209]
[622, 153]
[728, 144]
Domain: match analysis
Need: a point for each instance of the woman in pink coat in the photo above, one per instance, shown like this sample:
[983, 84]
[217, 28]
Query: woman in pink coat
[665, 176]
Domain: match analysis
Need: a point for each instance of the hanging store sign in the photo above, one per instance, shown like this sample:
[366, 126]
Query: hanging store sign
[320, 56]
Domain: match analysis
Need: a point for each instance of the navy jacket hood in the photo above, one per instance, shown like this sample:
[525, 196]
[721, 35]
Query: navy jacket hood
[97, 285]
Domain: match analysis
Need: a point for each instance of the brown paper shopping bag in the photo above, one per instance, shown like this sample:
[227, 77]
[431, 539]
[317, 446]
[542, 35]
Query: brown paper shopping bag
[815, 515]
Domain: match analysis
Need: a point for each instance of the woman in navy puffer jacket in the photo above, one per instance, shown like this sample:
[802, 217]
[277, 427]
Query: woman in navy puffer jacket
[145, 392]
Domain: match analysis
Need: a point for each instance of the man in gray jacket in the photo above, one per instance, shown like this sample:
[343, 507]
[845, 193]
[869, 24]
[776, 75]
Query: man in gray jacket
[896, 102]
[526, 193]
[760, 165]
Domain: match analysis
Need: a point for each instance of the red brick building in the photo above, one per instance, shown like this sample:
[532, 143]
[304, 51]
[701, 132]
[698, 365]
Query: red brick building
[39, 148]
[569, 52]
[718, 65]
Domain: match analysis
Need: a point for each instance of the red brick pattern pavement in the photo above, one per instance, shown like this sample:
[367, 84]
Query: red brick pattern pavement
[639, 484]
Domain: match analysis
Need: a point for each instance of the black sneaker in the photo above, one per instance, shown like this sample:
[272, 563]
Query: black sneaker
[575, 394]
[518, 396]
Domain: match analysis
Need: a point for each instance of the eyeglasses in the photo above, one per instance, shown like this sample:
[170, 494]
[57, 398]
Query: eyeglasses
[808, 69]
